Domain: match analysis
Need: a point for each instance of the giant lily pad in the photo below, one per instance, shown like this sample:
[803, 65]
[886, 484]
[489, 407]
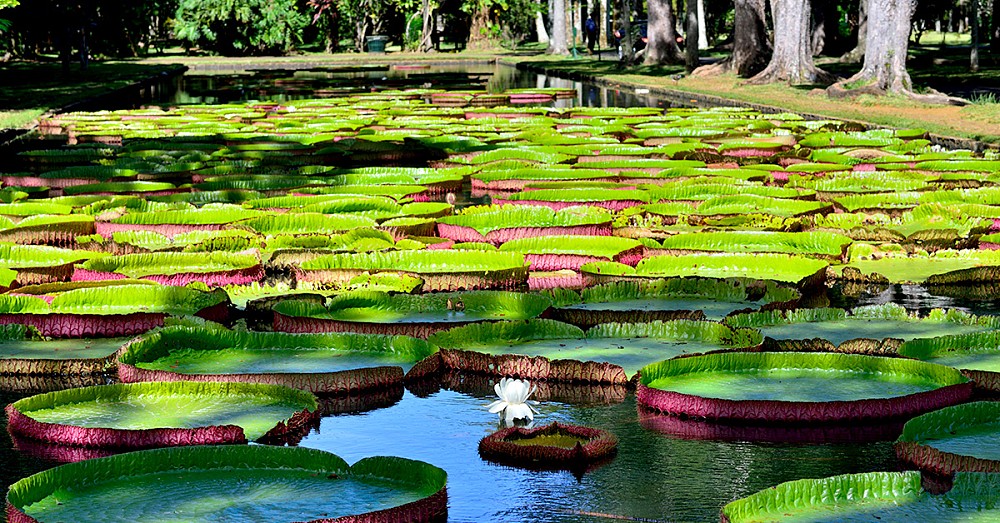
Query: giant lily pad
[977, 355]
[958, 438]
[775, 267]
[607, 353]
[552, 253]
[873, 496]
[111, 310]
[799, 387]
[666, 299]
[440, 270]
[23, 351]
[498, 224]
[285, 485]
[876, 322]
[940, 268]
[156, 414]
[420, 316]
[176, 268]
[321, 363]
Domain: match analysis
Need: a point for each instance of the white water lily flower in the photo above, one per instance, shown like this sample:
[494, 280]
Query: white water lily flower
[514, 403]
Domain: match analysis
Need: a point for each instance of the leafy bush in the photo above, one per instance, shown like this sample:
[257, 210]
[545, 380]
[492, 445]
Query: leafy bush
[240, 27]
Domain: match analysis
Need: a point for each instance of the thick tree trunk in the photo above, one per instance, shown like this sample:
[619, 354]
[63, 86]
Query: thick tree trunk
[886, 45]
[702, 28]
[884, 68]
[557, 39]
[854, 55]
[792, 60]
[661, 47]
[479, 30]
[751, 47]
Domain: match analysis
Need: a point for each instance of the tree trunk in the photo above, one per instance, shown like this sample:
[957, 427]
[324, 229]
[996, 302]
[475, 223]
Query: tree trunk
[625, 29]
[360, 32]
[661, 47]
[543, 34]
[751, 47]
[691, 42]
[974, 53]
[854, 55]
[791, 60]
[884, 69]
[426, 42]
[557, 39]
[479, 28]
[888, 38]
[702, 29]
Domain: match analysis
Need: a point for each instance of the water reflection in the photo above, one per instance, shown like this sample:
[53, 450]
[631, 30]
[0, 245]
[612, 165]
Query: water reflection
[231, 85]
[655, 476]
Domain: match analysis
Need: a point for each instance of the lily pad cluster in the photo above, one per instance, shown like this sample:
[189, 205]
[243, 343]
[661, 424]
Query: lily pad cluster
[686, 254]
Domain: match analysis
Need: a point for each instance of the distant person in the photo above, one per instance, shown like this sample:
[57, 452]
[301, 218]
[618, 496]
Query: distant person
[591, 27]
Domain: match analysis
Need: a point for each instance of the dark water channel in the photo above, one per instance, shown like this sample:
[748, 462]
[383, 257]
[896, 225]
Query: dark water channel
[661, 473]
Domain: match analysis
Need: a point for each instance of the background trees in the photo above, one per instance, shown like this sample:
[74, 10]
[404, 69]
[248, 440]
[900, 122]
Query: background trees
[744, 32]
[246, 27]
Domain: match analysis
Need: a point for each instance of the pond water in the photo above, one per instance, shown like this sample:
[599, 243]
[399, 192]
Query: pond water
[662, 473]
[227, 85]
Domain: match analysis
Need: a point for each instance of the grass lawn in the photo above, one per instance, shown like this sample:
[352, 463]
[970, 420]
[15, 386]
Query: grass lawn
[945, 70]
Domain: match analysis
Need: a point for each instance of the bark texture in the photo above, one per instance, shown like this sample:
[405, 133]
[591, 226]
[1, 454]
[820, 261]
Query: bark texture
[751, 47]
[792, 60]
[887, 40]
[884, 68]
[557, 38]
[661, 47]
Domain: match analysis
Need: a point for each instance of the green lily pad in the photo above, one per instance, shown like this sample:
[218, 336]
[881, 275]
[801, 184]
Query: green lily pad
[225, 484]
[875, 322]
[797, 377]
[186, 350]
[629, 346]
[139, 406]
[887, 497]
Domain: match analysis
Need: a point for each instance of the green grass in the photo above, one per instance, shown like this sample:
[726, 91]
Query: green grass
[935, 38]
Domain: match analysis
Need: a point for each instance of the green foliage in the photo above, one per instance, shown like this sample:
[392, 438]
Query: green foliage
[240, 27]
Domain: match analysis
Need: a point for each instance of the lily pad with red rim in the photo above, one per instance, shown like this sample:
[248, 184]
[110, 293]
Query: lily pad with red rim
[799, 387]
[958, 438]
[223, 484]
[157, 414]
[330, 363]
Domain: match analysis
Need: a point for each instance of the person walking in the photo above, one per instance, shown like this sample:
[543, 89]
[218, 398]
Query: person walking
[591, 27]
